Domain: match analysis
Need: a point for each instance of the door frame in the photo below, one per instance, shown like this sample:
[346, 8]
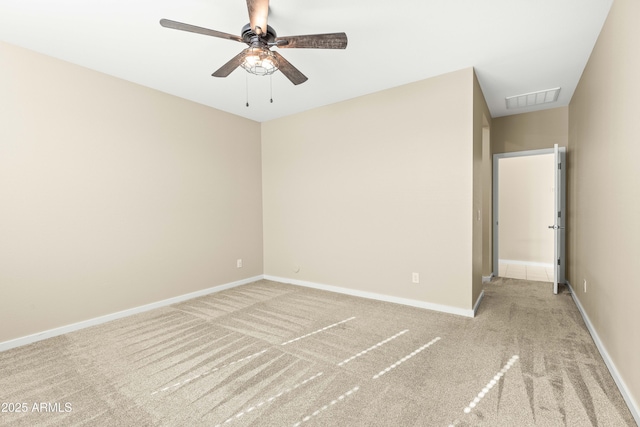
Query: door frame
[560, 271]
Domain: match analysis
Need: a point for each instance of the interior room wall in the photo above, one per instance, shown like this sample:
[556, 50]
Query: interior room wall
[604, 191]
[487, 205]
[114, 195]
[526, 188]
[362, 193]
[530, 131]
[481, 215]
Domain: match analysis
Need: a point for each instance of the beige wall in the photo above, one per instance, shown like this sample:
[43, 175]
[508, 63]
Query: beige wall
[526, 189]
[481, 215]
[530, 131]
[362, 193]
[604, 190]
[114, 196]
[487, 205]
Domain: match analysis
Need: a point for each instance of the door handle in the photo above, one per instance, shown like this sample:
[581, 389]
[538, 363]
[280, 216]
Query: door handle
[554, 227]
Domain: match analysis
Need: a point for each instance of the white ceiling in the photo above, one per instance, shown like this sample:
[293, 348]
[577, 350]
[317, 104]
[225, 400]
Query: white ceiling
[516, 46]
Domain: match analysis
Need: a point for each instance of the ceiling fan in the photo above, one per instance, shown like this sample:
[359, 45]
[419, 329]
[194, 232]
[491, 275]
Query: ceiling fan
[258, 58]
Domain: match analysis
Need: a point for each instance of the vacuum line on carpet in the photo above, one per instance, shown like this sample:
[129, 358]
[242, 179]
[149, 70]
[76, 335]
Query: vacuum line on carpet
[325, 407]
[404, 359]
[381, 343]
[208, 372]
[269, 400]
[318, 331]
[488, 387]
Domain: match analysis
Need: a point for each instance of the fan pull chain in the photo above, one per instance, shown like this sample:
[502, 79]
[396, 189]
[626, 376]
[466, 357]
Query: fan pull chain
[247, 86]
[271, 88]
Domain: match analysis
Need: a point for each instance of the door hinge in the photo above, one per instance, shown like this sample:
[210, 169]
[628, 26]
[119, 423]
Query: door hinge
[559, 165]
[558, 261]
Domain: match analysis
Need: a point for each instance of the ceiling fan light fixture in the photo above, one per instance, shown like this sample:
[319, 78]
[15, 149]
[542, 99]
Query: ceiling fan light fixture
[259, 61]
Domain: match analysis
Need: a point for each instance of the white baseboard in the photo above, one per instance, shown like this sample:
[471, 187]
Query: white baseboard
[529, 263]
[380, 297]
[622, 386]
[17, 342]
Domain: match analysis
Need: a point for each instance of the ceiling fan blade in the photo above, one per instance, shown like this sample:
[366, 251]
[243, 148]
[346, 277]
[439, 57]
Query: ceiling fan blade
[290, 72]
[167, 23]
[258, 15]
[227, 68]
[314, 41]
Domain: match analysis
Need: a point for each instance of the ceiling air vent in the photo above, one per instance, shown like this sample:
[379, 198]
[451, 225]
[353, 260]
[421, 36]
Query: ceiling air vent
[533, 98]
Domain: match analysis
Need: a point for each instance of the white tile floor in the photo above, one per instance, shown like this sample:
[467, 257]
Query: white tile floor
[526, 272]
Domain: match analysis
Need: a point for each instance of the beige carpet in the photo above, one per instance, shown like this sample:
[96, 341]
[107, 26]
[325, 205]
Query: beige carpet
[269, 354]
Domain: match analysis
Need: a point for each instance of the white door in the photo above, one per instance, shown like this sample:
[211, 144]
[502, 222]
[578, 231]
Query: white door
[559, 217]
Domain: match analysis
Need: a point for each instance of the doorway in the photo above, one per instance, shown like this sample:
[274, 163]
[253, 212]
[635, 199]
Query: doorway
[528, 221]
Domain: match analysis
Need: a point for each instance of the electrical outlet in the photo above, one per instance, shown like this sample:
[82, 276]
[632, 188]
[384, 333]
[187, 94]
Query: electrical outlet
[239, 263]
[415, 278]
[585, 286]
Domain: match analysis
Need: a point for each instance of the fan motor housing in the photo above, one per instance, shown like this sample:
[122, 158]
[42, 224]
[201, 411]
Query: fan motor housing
[249, 36]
